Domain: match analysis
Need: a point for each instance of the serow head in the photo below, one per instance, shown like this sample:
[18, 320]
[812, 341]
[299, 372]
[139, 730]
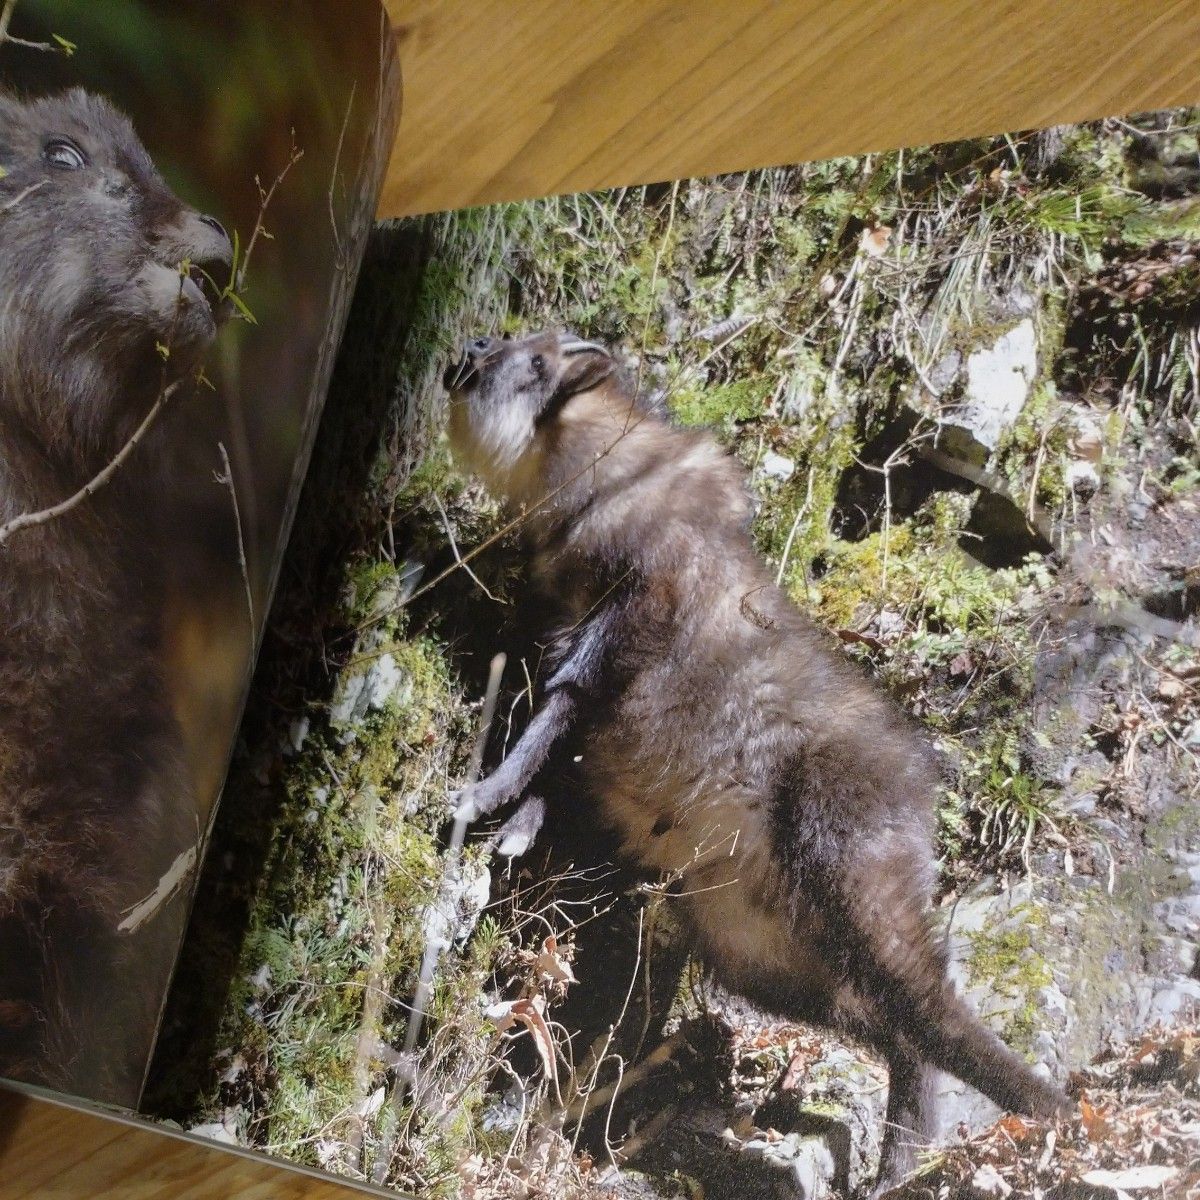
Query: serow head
[109, 280]
[507, 394]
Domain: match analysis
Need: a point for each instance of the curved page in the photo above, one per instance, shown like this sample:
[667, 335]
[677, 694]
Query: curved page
[185, 188]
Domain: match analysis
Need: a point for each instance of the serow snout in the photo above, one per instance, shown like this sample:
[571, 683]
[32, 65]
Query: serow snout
[210, 263]
[465, 371]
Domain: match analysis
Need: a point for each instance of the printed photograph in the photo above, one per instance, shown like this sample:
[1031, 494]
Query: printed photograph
[730, 724]
[185, 190]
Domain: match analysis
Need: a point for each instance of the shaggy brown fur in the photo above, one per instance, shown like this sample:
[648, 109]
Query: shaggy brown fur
[94, 800]
[726, 742]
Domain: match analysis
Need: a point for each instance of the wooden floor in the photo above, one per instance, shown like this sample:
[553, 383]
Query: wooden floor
[514, 98]
[50, 1150]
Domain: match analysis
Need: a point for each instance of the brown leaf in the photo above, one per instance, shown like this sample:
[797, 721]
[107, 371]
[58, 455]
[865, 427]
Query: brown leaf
[552, 965]
[743, 1128]
[865, 639]
[530, 1012]
[1094, 1120]
[875, 239]
[1016, 1127]
[794, 1074]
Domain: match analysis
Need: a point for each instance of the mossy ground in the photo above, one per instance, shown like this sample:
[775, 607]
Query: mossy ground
[799, 312]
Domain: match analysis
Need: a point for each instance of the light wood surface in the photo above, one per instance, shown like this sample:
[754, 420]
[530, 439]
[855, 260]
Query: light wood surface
[52, 1150]
[506, 99]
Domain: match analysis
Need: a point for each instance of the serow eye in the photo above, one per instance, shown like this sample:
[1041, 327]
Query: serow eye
[538, 363]
[62, 152]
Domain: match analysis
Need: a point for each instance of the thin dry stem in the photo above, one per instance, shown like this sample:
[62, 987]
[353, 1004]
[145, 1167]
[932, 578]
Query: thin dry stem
[100, 480]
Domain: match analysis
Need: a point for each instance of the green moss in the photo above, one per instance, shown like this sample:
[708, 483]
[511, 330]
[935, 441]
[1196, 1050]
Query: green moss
[720, 406]
[1007, 963]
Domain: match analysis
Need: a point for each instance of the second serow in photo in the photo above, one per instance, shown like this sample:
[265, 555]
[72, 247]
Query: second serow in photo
[729, 747]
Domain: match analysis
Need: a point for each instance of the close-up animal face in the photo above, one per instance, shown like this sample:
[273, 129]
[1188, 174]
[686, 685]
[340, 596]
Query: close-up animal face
[101, 264]
[506, 393]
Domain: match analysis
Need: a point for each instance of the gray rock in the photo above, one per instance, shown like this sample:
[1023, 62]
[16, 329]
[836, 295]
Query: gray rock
[945, 371]
[1082, 806]
[454, 913]
[297, 732]
[1058, 967]
[998, 381]
[776, 466]
[371, 689]
[805, 1162]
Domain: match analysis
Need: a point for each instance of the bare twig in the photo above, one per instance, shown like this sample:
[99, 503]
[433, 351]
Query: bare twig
[25, 520]
[791, 537]
[6, 16]
[458, 558]
[33, 187]
[226, 478]
[265, 196]
[337, 158]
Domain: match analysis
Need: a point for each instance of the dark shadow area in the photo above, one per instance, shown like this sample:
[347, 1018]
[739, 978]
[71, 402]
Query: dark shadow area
[998, 533]
[864, 489]
[294, 661]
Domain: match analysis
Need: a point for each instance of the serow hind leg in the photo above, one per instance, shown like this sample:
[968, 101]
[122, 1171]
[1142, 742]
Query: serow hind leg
[910, 1121]
[889, 955]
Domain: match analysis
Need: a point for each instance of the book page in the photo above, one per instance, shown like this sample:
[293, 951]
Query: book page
[185, 191]
[838, 525]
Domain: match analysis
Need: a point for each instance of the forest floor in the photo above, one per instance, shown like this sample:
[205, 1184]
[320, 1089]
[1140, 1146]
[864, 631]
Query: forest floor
[963, 382]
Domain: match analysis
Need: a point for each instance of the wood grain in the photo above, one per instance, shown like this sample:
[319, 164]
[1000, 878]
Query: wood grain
[506, 99]
[50, 1148]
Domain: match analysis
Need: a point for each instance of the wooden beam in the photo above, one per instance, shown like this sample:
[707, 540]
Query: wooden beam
[506, 99]
[51, 1147]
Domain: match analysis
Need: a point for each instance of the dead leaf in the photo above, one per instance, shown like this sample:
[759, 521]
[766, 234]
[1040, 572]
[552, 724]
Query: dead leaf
[530, 1011]
[1016, 1127]
[795, 1073]
[987, 1182]
[1094, 1120]
[1087, 445]
[864, 639]
[962, 664]
[743, 1128]
[1048, 1152]
[552, 965]
[875, 239]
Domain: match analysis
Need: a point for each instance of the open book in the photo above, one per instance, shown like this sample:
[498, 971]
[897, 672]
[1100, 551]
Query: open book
[837, 524]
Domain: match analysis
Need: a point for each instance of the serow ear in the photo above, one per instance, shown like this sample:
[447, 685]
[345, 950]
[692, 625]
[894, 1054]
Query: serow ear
[586, 366]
